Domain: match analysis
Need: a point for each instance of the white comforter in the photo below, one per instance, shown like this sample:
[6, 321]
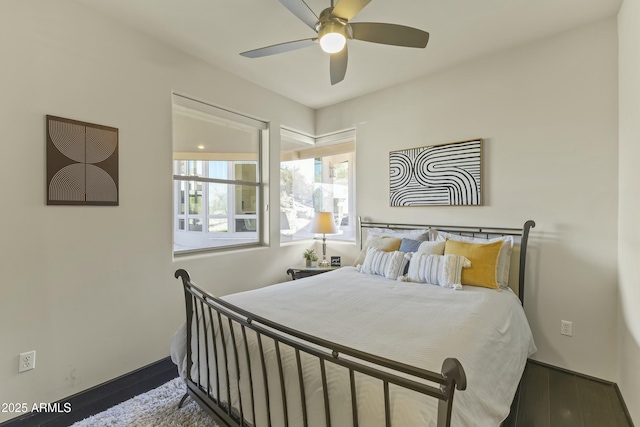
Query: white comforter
[417, 324]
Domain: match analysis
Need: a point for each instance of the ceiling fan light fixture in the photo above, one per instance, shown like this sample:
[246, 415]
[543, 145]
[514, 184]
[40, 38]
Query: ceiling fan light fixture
[333, 28]
[332, 37]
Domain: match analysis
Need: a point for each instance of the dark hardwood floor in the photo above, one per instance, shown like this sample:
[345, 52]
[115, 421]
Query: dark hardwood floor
[101, 397]
[552, 397]
[548, 397]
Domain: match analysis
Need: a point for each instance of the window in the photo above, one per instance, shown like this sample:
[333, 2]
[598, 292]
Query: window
[316, 175]
[216, 172]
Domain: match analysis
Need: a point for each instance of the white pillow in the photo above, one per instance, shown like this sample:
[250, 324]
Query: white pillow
[504, 258]
[384, 243]
[443, 270]
[432, 248]
[421, 234]
[388, 264]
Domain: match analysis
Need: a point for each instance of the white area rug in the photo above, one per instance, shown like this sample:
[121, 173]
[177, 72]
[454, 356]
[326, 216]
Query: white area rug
[156, 408]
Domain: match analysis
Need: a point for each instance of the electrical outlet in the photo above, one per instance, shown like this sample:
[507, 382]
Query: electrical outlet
[566, 328]
[27, 361]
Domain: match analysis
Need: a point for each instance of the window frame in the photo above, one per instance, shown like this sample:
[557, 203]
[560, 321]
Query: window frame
[261, 211]
[320, 144]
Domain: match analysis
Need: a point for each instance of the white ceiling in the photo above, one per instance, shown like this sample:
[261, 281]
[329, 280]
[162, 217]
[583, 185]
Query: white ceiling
[216, 31]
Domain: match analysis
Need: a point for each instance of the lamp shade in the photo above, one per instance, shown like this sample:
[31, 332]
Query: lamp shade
[323, 223]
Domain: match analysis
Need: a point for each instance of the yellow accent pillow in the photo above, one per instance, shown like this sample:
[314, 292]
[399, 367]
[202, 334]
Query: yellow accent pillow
[484, 262]
[383, 243]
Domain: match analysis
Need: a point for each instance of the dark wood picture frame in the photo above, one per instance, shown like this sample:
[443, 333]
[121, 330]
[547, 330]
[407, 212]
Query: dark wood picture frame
[82, 163]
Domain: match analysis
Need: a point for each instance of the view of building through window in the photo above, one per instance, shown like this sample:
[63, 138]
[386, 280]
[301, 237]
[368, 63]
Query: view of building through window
[217, 187]
[316, 177]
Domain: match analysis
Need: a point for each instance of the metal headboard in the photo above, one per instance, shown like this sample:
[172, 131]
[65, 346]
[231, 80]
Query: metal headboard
[464, 230]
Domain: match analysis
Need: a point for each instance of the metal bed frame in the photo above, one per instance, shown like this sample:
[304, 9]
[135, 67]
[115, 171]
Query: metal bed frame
[204, 310]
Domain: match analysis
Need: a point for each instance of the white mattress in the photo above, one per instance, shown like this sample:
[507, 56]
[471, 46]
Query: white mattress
[417, 324]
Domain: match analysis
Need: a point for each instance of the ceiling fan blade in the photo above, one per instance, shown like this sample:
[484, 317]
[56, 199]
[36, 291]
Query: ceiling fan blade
[338, 66]
[302, 11]
[347, 9]
[393, 34]
[278, 48]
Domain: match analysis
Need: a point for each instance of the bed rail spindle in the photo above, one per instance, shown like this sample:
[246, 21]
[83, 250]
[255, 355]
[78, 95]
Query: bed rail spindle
[246, 348]
[206, 345]
[215, 352]
[302, 393]
[444, 410]
[226, 365]
[236, 359]
[264, 377]
[354, 399]
[325, 389]
[189, 300]
[387, 405]
[282, 388]
[197, 314]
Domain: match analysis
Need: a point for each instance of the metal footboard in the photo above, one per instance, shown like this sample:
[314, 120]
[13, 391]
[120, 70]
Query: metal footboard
[225, 332]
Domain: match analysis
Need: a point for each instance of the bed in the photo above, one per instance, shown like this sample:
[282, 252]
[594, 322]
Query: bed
[347, 348]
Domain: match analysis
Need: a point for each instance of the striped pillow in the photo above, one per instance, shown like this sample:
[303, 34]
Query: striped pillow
[443, 270]
[388, 264]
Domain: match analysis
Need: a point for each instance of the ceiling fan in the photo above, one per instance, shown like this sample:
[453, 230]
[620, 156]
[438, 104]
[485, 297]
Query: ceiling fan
[333, 29]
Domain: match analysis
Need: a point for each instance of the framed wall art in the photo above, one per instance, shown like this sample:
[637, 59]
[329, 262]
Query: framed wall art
[82, 163]
[437, 175]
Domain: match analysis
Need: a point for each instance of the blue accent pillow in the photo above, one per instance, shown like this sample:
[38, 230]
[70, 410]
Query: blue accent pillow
[409, 245]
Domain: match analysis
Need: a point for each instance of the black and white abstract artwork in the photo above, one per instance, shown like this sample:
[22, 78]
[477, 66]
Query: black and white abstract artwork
[437, 175]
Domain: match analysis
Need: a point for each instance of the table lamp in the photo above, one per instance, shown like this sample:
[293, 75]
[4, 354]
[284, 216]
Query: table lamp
[323, 224]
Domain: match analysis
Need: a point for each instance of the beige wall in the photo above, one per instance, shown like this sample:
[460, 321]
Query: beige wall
[629, 203]
[91, 289]
[548, 114]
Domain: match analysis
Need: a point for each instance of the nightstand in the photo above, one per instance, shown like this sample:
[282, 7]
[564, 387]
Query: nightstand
[299, 272]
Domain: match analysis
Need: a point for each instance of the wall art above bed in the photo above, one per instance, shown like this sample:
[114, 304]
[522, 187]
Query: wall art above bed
[437, 175]
[82, 163]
